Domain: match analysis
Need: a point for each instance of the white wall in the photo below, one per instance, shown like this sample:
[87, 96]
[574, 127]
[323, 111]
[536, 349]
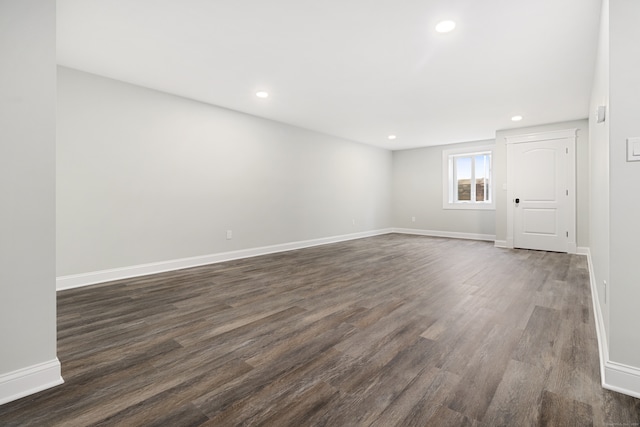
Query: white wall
[599, 170]
[27, 187]
[144, 177]
[417, 192]
[624, 86]
[615, 200]
[582, 176]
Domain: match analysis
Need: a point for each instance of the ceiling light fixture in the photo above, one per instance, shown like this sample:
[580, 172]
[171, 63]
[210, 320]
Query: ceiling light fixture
[392, 137]
[516, 118]
[445, 26]
[262, 94]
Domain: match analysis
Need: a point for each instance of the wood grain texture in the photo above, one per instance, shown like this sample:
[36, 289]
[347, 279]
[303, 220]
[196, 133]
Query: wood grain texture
[558, 411]
[392, 330]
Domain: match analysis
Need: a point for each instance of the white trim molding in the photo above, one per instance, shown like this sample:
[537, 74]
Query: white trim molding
[23, 382]
[622, 379]
[542, 136]
[448, 186]
[448, 234]
[96, 277]
[582, 250]
[599, 320]
[500, 244]
[614, 376]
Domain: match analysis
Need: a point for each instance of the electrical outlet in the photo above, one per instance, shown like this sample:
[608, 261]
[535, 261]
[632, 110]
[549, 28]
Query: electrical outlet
[229, 234]
[413, 219]
[353, 222]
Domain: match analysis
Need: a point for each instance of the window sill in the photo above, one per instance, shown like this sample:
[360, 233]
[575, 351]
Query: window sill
[469, 206]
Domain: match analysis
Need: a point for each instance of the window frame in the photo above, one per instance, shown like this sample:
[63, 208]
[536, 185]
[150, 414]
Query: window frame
[448, 181]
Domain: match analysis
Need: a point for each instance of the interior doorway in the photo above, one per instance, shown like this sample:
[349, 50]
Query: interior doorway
[541, 189]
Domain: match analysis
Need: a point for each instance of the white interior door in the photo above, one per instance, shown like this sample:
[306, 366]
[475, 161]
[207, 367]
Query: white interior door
[541, 194]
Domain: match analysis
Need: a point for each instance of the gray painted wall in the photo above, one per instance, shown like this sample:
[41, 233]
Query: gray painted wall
[599, 169]
[582, 176]
[144, 176]
[615, 200]
[417, 192]
[27, 183]
[624, 86]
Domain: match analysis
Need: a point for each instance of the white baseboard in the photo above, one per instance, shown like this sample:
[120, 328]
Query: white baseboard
[92, 278]
[621, 378]
[614, 376]
[500, 244]
[581, 250]
[32, 379]
[449, 234]
[601, 334]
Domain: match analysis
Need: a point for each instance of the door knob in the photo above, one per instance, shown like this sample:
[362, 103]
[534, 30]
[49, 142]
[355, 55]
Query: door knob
[517, 201]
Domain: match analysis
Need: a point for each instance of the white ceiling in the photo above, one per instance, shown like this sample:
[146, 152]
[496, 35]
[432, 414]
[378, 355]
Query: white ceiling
[357, 69]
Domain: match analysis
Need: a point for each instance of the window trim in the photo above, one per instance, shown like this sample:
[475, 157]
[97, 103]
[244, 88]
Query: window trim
[448, 185]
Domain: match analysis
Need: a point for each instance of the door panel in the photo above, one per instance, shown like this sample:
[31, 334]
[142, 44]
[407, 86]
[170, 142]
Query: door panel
[541, 187]
[539, 165]
[539, 221]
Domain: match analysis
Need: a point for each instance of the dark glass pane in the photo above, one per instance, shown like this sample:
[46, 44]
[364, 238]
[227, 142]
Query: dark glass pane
[464, 190]
[463, 178]
[482, 175]
[480, 190]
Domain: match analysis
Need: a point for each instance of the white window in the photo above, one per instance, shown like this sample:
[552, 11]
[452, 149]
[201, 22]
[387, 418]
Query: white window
[468, 178]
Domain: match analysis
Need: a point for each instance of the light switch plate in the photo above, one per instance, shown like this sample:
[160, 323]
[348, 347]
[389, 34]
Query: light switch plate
[601, 112]
[633, 149]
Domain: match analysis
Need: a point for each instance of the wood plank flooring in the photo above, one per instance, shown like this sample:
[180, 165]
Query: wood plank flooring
[392, 330]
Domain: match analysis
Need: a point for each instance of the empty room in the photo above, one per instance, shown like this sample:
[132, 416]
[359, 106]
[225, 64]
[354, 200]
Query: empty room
[296, 213]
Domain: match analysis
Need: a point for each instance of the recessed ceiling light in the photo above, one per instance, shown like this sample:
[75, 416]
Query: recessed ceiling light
[392, 137]
[445, 26]
[262, 94]
[516, 118]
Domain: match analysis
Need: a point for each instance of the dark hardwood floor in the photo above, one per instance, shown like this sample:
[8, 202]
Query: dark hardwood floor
[385, 331]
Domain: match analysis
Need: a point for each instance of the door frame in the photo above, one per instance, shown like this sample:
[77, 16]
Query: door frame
[570, 135]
